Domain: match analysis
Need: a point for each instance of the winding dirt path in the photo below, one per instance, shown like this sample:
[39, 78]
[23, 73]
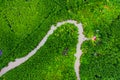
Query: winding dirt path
[81, 39]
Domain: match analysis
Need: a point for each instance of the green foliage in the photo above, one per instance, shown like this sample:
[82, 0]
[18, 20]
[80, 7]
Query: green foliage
[22, 27]
[101, 61]
[23, 23]
[50, 62]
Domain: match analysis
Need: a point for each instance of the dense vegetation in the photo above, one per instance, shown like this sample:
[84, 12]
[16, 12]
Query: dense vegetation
[101, 59]
[23, 23]
[54, 61]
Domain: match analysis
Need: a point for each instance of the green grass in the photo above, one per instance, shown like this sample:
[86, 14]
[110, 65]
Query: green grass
[51, 62]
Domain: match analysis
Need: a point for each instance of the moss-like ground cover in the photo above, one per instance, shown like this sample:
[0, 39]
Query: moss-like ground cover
[54, 61]
[23, 23]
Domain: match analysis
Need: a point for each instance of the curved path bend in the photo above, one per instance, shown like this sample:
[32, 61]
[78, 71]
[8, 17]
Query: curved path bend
[81, 39]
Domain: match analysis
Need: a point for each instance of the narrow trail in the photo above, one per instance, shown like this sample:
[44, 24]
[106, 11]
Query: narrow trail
[81, 39]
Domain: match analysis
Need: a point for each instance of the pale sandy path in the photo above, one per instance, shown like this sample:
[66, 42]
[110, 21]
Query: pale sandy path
[81, 39]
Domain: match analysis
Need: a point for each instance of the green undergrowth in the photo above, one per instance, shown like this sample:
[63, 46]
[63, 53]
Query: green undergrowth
[24, 30]
[54, 61]
[101, 59]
